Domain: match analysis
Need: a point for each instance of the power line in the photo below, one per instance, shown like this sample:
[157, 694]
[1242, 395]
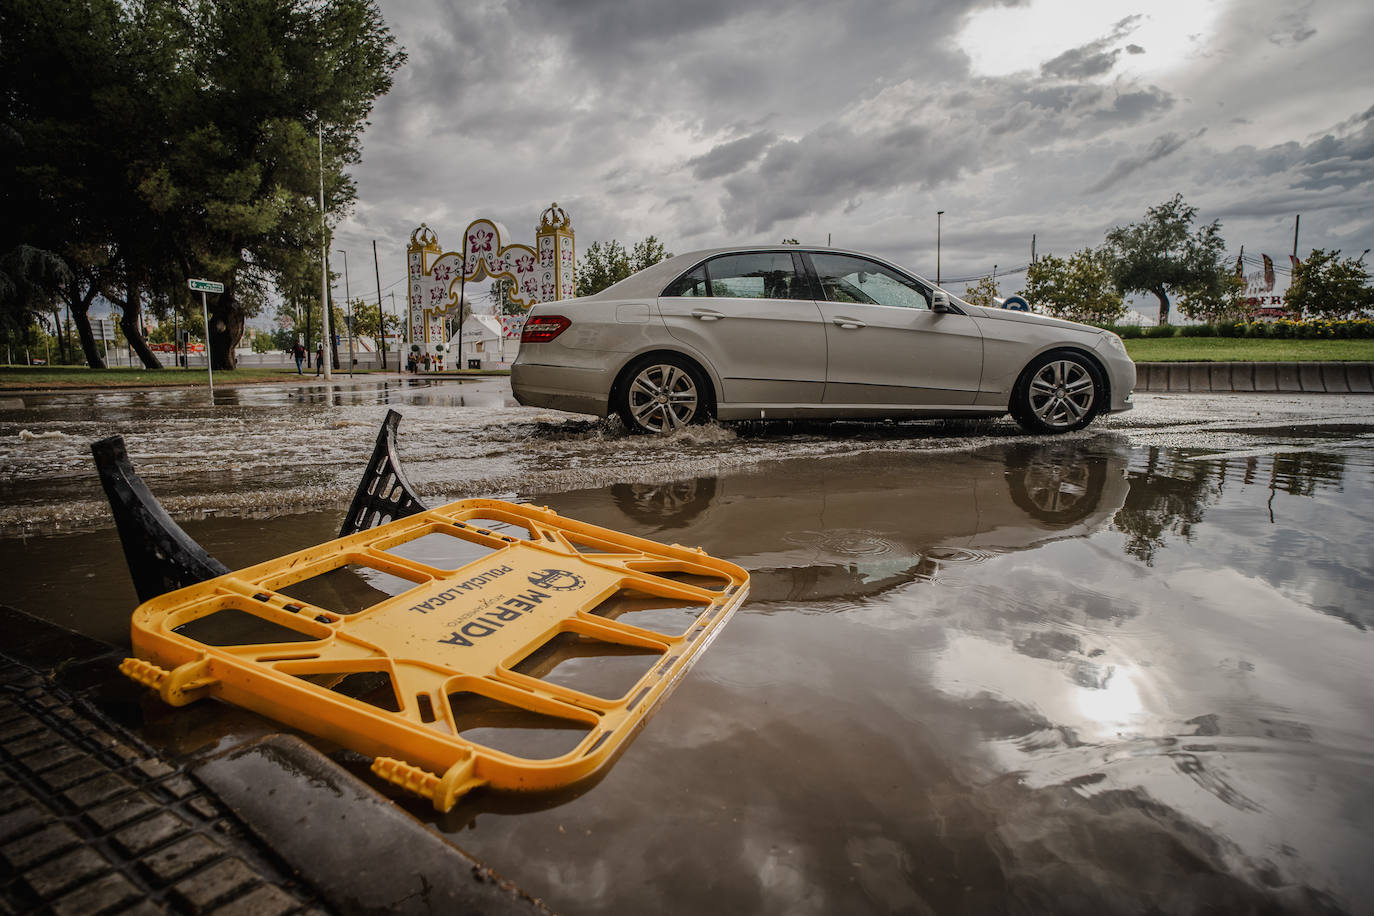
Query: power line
[1001, 272]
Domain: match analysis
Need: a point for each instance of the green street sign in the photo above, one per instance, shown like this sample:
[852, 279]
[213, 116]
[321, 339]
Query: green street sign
[205, 286]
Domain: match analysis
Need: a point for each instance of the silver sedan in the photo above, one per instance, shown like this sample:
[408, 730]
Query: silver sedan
[793, 332]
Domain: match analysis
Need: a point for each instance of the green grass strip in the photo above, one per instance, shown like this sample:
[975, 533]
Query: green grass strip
[1244, 349]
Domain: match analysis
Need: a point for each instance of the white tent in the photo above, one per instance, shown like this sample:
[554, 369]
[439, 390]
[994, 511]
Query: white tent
[482, 344]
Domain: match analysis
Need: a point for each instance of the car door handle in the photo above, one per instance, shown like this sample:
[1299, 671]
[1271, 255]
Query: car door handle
[849, 323]
[707, 314]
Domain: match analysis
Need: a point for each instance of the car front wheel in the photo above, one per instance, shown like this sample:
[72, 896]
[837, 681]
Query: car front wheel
[663, 393]
[1059, 392]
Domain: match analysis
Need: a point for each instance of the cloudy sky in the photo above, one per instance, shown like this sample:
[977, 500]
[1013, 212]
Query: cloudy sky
[709, 122]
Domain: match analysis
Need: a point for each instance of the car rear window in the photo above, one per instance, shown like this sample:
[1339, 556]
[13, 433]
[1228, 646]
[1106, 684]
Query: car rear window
[692, 283]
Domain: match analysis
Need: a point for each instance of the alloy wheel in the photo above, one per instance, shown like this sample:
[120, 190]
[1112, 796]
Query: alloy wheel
[663, 397]
[1061, 393]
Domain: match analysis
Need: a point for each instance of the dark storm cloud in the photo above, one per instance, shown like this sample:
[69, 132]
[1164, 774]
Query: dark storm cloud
[728, 158]
[1138, 105]
[1095, 57]
[1080, 63]
[1292, 26]
[731, 120]
[842, 163]
[1340, 160]
[1162, 146]
[834, 165]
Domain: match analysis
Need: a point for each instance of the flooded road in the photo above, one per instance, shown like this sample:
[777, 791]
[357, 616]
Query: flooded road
[1121, 671]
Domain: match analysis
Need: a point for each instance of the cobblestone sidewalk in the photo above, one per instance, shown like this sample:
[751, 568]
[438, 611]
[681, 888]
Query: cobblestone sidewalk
[92, 821]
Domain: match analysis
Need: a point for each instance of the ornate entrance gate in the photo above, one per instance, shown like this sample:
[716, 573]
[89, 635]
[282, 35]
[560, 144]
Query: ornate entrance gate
[436, 277]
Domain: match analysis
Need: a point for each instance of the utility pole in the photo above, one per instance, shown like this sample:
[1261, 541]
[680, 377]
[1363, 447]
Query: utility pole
[400, 356]
[501, 320]
[381, 316]
[1032, 247]
[324, 267]
[348, 301]
[1296, 221]
[939, 215]
[462, 299]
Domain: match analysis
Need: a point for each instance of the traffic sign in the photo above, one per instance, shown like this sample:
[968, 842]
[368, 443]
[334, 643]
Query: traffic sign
[205, 286]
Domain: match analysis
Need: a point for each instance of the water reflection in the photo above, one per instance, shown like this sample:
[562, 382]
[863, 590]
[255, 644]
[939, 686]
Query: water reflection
[1314, 549]
[858, 525]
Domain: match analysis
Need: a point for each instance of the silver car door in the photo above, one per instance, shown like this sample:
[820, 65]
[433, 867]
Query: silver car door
[752, 316]
[885, 344]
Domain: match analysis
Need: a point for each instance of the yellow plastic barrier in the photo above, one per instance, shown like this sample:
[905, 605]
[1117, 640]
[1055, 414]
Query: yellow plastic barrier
[525, 668]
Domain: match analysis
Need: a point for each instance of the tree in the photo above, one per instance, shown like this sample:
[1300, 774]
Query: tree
[1218, 299]
[265, 342]
[1080, 288]
[1326, 285]
[149, 141]
[57, 62]
[1163, 255]
[984, 293]
[29, 277]
[241, 180]
[603, 265]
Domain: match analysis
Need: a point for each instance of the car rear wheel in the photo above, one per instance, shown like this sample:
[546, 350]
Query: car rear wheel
[662, 393]
[1059, 392]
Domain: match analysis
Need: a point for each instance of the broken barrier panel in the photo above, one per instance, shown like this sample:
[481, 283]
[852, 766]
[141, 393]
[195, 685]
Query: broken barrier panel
[479, 643]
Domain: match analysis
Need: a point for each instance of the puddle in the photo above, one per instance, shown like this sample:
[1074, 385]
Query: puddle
[977, 671]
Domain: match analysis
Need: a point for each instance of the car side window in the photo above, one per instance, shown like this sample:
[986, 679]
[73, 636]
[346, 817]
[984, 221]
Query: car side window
[763, 275]
[692, 283]
[845, 278]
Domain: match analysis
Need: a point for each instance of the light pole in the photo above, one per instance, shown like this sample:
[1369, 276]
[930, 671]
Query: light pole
[939, 214]
[324, 268]
[349, 302]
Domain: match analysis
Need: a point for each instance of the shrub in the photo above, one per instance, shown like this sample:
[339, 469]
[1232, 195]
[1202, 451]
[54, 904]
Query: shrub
[1352, 328]
[1161, 330]
[1230, 329]
[1197, 330]
[1127, 331]
[1257, 329]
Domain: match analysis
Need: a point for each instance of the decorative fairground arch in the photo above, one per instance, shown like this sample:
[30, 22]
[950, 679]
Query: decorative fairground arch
[540, 274]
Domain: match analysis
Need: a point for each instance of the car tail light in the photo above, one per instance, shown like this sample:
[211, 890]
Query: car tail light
[544, 328]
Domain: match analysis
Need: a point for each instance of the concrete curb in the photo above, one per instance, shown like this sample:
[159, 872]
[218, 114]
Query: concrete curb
[1276, 378]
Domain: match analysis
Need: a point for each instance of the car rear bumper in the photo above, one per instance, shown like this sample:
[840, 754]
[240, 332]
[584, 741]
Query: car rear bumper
[575, 390]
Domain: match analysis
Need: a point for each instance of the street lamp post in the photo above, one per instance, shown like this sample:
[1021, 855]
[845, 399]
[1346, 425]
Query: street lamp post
[324, 266]
[348, 300]
[939, 214]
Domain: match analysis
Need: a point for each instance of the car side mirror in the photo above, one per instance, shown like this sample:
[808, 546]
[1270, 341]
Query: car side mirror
[939, 301]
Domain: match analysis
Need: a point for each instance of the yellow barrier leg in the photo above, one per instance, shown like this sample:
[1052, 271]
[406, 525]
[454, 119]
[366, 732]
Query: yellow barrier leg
[442, 791]
[178, 687]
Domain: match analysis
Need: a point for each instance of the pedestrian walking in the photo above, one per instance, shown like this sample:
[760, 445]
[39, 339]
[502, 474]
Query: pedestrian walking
[319, 358]
[298, 351]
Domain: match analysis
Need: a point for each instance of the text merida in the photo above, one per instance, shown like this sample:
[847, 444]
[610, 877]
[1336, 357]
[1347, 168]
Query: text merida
[488, 623]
